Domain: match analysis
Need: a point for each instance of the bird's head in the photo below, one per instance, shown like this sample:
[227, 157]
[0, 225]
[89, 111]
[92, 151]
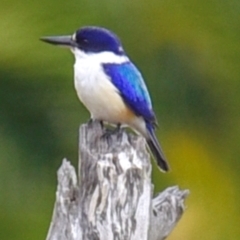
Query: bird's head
[89, 40]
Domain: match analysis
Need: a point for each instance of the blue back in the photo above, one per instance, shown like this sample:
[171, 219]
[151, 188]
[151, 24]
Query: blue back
[132, 88]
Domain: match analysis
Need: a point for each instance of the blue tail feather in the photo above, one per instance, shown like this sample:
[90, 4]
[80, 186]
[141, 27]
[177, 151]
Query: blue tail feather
[156, 149]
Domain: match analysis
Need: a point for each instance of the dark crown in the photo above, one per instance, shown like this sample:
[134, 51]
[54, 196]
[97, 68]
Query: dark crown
[96, 39]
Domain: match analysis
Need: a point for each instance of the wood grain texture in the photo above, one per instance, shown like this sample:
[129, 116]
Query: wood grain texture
[113, 198]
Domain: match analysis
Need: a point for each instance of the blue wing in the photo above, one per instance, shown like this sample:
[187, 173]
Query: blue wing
[128, 80]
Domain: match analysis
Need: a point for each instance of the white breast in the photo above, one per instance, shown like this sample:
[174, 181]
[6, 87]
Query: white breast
[95, 89]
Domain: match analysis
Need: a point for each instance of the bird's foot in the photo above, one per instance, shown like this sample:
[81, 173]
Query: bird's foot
[109, 132]
[92, 121]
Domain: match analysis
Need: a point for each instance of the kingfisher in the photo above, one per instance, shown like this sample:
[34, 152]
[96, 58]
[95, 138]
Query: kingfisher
[109, 84]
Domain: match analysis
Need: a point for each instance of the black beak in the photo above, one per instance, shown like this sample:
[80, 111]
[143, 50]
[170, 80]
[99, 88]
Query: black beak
[60, 40]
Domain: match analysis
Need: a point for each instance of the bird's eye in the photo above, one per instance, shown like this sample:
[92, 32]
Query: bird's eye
[81, 41]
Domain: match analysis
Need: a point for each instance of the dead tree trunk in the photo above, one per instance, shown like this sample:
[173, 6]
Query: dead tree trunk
[111, 199]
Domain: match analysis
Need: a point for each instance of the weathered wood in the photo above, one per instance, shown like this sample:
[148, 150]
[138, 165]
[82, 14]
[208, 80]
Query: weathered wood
[167, 209]
[113, 198]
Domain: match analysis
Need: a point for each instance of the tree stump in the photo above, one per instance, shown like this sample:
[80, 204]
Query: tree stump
[111, 199]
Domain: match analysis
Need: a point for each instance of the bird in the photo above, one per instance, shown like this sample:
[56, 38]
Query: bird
[109, 84]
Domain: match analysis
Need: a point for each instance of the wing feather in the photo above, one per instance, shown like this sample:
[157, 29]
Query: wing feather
[131, 86]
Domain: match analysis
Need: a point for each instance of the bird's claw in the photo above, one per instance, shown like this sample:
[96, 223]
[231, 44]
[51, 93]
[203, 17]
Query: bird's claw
[109, 132]
[92, 121]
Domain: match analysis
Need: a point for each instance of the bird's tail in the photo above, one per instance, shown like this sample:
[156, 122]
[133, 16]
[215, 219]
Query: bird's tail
[156, 149]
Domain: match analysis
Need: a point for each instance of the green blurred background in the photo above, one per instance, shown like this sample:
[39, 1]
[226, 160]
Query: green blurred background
[188, 52]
